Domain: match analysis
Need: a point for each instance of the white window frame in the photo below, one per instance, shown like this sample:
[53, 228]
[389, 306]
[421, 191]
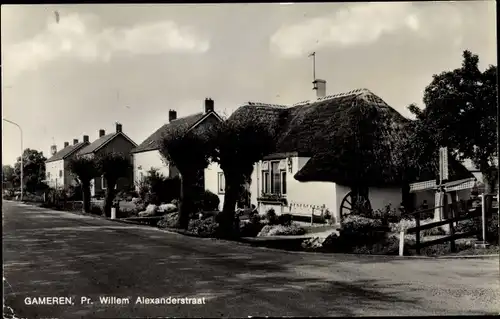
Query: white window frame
[267, 180]
[102, 182]
[221, 183]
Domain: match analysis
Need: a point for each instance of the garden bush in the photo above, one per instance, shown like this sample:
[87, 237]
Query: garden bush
[404, 224]
[285, 219]
[280, 230]
[203, 227]
[251, 227]
[210, 201]
[492, 231]
[271, 217]
[168, 221]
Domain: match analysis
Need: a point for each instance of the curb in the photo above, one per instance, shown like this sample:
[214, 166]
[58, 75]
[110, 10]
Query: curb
[262, 243]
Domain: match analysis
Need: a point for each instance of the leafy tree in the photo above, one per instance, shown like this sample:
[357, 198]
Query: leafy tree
[112, 166]
[33, 170]
[239, 145]
[460, 113]
[190, 152]
[8, 175]
[84, 168]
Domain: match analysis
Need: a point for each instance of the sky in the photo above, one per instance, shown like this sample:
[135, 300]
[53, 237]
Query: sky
[70, 70]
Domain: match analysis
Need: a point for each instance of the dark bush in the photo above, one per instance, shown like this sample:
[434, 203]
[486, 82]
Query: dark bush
[75, 192]
[285, 219]
[96, 209]
[357, 232]
[168, 221]
[203, 227]
[211, 201]
[272, 218]
[251, 227]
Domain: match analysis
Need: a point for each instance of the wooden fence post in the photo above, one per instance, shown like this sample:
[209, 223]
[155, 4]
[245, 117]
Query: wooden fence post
[483, 218]
[401, 243]
[447, 213]
[312, 216]
[417, 234]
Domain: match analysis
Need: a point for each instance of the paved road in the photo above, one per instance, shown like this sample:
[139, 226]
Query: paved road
[49, 253]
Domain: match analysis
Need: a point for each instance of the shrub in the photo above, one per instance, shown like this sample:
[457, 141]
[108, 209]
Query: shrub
[404, 224]
[210, 201]
[96, 209]
[156, 188]
[272, 218]
[280, 230]
[474, 224]
[285, 219]
[252, 226]
[168, 221]
[203, 227]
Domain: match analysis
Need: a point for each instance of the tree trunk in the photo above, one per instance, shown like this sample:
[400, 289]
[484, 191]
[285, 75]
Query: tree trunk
[231, 194]
[185, 202]
[110, 196]
[86, 196]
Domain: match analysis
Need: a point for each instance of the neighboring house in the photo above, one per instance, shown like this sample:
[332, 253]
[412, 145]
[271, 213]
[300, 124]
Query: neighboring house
[117, 142]
[57, 172]
[147, 156]
[308, 169]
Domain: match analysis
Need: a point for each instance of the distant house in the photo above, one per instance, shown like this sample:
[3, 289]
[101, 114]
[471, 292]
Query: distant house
[316, 143]
[113, 142]
[146, 156]
[56, 167]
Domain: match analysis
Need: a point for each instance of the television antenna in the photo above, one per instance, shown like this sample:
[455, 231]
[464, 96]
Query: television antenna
[313, 55]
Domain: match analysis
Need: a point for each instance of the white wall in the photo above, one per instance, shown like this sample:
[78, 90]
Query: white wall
[211, 175]
[144, 161]
[53, 168]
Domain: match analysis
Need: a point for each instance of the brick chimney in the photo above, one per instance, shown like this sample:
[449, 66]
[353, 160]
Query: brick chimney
[172, 115]
[209, 105]
[320, 87]
[75, 141]
[102, 133]
[85, 138]
[66, 144]
[118, 128]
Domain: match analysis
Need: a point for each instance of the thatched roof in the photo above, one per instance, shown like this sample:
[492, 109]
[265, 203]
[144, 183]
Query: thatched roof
[352, 138]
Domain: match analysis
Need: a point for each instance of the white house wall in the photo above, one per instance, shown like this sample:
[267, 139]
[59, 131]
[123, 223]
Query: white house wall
[211, 184]
[144, 161]
[53, 179]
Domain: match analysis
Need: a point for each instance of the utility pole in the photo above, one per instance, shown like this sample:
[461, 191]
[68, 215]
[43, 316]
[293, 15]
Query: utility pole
[22, 151]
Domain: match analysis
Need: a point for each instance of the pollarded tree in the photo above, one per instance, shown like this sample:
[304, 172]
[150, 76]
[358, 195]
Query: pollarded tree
[112, 166]
[84, 168]
[239, 145]
[190, 152]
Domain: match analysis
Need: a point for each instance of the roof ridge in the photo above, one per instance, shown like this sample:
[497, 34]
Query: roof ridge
[180, 118]
[267, 104]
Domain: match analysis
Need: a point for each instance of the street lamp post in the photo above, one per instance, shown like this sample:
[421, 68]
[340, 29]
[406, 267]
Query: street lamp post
[22, 150]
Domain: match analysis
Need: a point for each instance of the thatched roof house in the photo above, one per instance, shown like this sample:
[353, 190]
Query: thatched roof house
[353, 138]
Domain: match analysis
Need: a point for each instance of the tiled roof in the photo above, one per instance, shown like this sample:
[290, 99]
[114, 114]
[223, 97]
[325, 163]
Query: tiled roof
[67, 151]
[97, 143]
[154, 140]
